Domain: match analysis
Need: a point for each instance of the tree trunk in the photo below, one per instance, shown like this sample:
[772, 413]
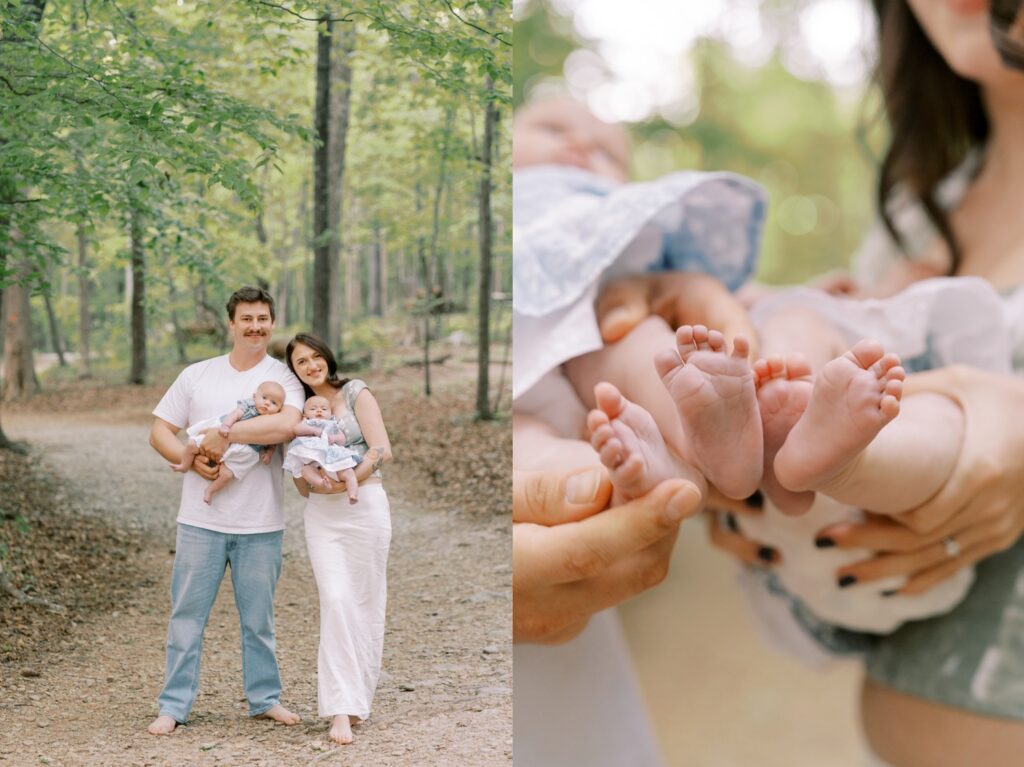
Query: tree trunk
[343, 44]
[51, 321]
[138, 311]
[483, 407]
[322, 185]
[19, 368]
[84, 291]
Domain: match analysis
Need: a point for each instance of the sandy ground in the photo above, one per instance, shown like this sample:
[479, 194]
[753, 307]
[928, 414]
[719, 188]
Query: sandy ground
[445, 696]
[718, 697]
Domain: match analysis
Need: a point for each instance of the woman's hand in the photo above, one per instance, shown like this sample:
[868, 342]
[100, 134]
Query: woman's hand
[680, 298]
[726, 535]
[981, 506]
[564, 571]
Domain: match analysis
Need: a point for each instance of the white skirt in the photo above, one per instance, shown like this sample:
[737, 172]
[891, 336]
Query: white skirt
[348, 549]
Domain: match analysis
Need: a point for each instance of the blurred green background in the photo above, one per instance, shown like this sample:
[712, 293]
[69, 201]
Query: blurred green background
[777, 91]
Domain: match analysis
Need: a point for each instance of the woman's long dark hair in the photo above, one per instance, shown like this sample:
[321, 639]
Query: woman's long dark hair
[935, 117]
[314, 343]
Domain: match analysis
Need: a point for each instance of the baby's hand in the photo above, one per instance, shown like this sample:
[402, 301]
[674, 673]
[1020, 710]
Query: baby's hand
[224, 430]
[307, 430]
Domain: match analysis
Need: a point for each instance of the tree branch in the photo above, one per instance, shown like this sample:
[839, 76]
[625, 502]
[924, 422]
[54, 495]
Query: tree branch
[496, 35]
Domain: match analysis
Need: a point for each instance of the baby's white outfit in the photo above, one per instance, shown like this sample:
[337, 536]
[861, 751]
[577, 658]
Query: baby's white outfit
[239, 457]
[333, 458]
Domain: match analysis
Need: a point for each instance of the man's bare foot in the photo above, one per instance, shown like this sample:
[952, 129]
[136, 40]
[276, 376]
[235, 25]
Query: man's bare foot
[854, 396]
[279, 714]
[341, 730]
[714, 394]
[783, 390]
[162, 725]
[629, 444]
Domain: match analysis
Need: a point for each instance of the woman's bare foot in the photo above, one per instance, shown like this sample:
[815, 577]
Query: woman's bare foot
[783, 390]
[162, 725]
[717, 403]
[629, 443]
[853, 397]
[279, 714]
[341, 730]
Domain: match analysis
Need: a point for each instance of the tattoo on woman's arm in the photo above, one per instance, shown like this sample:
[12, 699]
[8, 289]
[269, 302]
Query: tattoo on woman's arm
[378, 457]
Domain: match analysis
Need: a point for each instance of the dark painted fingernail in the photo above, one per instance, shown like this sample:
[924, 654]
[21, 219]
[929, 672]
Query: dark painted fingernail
[824, 542]
[730, 522]
[847, 580]
[766, 554]
[890, 592]
[756, 501]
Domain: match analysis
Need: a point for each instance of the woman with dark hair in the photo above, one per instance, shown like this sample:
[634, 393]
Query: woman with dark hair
[347, 543]
[949, 690]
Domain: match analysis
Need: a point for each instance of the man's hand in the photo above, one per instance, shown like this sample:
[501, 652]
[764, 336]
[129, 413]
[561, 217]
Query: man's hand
[214, 445]
[201, 466]
[563, 573]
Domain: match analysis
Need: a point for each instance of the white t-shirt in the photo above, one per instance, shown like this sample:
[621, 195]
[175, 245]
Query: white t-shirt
[210, 389]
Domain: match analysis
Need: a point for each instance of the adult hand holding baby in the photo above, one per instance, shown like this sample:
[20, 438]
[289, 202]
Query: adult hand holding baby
[569, 561]
[979, 508]
[680, 298]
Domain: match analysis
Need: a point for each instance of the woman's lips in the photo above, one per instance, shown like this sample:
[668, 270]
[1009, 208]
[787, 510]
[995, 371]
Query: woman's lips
[968, 7]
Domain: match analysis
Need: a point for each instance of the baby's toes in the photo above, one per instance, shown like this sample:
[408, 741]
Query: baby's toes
[600, 436]
[889, 406]
[797, 366]
[596, 419]
[885, 364]
[631, 469]
[611, 453]
[893, 388]
[686, 342]
[665, 362]
[740, 347]
[866, 353]
[716, 341]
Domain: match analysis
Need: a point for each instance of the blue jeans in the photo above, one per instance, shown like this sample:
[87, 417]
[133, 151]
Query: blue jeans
[200, 559]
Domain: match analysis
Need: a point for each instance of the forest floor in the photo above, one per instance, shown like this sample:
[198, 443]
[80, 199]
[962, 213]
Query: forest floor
[87, 520]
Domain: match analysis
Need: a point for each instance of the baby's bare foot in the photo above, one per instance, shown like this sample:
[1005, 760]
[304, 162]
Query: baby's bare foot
[341, 730]
[714, 394]
[162, 725]
[853, 397]
[280, 714]
[783, 391]
[630, 445]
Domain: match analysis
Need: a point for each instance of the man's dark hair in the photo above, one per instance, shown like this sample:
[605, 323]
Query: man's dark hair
[250, 295]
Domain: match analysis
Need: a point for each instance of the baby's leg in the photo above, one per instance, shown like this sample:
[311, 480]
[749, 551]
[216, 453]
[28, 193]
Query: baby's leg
[218, 484]
[311, 473]
[853, 397]
[692, 433]
[630, 445]
[191, 451]
[714, 394]
[351, 485]
[801, 331]
[907, 463]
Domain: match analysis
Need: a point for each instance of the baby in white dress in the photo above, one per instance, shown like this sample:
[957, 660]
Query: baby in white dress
[318, 451]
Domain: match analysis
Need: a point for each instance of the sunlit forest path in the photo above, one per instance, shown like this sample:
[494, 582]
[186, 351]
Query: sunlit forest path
[445, 696]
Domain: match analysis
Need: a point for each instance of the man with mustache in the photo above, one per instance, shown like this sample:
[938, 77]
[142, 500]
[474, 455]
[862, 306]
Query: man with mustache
[242, 526]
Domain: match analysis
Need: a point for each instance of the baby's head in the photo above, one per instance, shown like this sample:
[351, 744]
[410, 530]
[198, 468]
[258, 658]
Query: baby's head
[317, 407]
[561, 131]
[269, 398]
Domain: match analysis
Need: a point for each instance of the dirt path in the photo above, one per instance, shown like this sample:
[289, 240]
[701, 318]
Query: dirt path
[445, 696]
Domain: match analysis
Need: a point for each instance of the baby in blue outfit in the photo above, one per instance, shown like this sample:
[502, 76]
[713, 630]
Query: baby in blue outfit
[238, 458]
